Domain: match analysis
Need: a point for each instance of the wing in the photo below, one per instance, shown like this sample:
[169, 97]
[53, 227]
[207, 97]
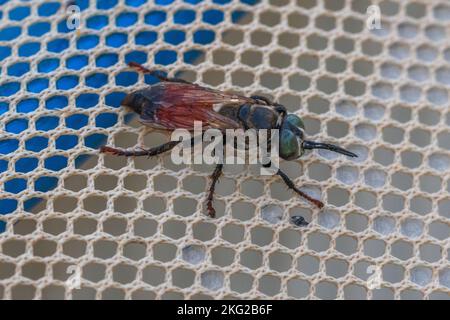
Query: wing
[178, 105]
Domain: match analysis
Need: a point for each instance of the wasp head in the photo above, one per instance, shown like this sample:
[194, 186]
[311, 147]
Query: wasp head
[293, 143]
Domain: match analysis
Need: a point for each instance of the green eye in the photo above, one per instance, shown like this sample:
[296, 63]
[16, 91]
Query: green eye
[296, 121]
[289, 148]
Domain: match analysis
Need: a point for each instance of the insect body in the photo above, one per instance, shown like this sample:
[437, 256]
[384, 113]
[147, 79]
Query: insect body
[176, 104]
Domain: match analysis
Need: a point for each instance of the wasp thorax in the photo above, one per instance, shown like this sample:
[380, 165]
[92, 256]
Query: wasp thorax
[258, 116]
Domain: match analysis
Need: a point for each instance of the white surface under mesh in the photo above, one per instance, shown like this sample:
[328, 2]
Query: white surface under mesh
[137, 227]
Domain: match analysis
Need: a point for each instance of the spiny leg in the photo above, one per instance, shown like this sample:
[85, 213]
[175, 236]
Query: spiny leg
[214, 177]
[144, 152]
[292, 186]
[157, 74]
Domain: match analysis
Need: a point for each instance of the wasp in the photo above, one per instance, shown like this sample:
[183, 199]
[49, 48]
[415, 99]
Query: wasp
[174, 103]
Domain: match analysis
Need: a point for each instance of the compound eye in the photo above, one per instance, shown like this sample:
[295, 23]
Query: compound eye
[296, 121]
[289, 145]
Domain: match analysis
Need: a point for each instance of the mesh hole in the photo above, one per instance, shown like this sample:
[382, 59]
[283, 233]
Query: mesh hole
[23, 227]
[241, 282]
[222, 256]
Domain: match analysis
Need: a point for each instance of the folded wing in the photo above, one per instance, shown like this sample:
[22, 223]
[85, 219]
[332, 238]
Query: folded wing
[179, 105]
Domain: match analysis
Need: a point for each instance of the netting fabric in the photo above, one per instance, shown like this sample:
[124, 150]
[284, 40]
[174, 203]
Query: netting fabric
[76, 224]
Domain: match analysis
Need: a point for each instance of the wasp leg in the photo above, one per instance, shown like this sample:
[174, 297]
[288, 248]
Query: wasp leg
[292, 186]
[157, 74]
[214, 178]
[137, 153]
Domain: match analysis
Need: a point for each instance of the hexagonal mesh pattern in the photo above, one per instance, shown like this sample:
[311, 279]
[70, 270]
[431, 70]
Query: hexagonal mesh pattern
[136, 228]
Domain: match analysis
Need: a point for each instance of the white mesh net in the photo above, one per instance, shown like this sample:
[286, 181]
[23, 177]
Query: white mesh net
[136, 228]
